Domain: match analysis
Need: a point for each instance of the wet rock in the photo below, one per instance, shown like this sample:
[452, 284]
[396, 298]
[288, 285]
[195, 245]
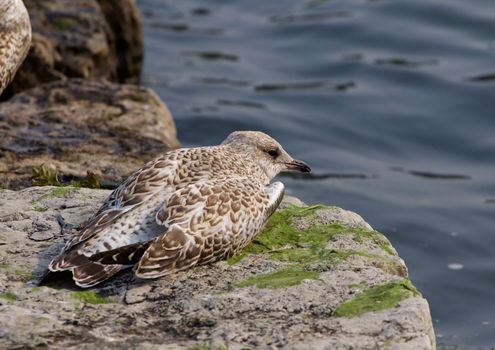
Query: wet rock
[81, 39]
[323, 287]
[62, 130]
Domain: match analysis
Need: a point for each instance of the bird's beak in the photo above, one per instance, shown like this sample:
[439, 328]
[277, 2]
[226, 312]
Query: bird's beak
[298, 165]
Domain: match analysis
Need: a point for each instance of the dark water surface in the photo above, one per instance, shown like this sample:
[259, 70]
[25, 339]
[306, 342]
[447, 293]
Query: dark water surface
[391, 102]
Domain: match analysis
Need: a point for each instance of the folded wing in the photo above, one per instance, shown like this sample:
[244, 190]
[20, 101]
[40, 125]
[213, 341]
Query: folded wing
[208, 221]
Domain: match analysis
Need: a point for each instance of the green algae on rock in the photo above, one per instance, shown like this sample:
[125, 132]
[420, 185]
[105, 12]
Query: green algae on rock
[56, 193]
[287, 277]
[377, 238]
[381, 297]
[283, 241]
[41, 209]
[91, 297]
[9, 296]
[286, 242]
[19, 272]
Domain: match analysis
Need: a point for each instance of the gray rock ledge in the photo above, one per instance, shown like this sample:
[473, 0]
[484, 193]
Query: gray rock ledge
[317, 278]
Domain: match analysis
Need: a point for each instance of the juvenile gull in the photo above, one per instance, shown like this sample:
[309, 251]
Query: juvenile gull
[188, 207]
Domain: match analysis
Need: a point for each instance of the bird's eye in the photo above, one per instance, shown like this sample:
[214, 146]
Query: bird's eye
[273, 153]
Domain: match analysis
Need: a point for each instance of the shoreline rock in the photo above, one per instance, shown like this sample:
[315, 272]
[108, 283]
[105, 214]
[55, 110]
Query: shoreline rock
[64, 129]
[317, 277]
[81, 39]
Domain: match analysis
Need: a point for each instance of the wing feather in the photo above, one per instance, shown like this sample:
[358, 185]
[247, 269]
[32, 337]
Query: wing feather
[208, 221]
[143, 183]
[135, 190]
[172, 252]
[90, 268]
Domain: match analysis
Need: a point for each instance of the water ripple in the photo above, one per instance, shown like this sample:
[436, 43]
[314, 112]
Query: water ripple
[433, 175]
[404, 62]
[482, 78]
[221, 81]
[325, 176]
[212, 55]
[242, 103]
[269, 87]
[185, 28]
[309, 17]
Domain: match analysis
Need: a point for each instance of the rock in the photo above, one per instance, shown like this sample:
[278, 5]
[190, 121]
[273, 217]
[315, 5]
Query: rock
[329, 284]
[81, 39]
[68, 128]
[126, 37]
[289, 200]
[138, 294]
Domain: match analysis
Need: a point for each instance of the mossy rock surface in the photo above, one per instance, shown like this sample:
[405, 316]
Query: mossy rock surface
[90, 297]
[317, 277]
[311, 248]
[377, 298]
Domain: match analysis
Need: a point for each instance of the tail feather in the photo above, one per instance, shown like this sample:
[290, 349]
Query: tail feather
[86, 273]
[92, 273]
[125, 255]
[67, 261]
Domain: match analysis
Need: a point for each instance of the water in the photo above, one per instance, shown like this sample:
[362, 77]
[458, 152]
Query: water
[390, 102]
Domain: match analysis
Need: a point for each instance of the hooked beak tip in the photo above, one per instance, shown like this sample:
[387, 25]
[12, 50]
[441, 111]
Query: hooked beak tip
[298, 165]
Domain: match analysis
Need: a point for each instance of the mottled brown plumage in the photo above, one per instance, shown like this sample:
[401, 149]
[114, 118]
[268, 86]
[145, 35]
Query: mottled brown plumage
[15, 39]
[188, 207]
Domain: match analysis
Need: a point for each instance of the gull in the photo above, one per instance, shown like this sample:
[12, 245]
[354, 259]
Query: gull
[188, 207]
[15, 39]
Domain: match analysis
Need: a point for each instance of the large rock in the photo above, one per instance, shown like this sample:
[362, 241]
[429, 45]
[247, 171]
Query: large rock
[72, 127]
[126, 37]
[317, 278]
[81, 39]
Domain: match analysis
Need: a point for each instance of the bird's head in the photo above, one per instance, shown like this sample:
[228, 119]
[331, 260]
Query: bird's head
[265, 151]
